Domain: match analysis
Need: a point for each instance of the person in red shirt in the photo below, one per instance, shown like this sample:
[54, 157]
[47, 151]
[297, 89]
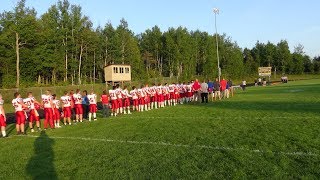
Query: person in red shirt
[223, 87]
[196, 88]
[105, 103]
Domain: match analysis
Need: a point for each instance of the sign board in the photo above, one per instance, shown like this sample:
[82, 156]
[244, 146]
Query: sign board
[265, 71]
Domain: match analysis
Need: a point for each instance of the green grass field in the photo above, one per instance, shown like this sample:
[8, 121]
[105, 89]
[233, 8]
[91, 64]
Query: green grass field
[265, 132]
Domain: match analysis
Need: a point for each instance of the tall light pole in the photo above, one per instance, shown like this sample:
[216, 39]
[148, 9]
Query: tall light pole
[216, 11]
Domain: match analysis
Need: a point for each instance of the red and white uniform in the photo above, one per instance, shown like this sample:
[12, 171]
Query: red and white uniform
[119, 97]
[126, 96]
[189, 90]
[113, 98]
[159, 94]
[33, 113]
[78, 103]
[48, 110]
[56, 104]
[66, 103]
[153, 94]
[135, 97]
[20, 115]
[165, 91]
[141, 95]
[92, 103]
[2, 121]
[147, 94]
[171, 90]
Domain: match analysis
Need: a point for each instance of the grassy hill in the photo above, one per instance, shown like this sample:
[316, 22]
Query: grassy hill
[265, 132]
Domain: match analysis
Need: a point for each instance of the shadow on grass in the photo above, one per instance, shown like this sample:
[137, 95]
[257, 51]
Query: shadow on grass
[41, 166]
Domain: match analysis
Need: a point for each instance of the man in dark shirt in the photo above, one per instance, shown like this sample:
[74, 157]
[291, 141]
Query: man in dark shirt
[217, 93]
[210, 89]
[230, 87]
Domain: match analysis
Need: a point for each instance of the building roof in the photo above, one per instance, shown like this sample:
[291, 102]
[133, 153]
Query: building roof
[118, 65]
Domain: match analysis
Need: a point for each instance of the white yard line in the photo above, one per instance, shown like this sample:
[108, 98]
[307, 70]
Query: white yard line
[218, 148]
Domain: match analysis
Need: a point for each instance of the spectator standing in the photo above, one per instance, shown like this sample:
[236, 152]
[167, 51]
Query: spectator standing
[85, 104]
[105, 104]
[210, 89]
[243, 85]
[204, 92]
[217, 93]
[196, 88]
[259, 81]
[223, 87]
[230, 85]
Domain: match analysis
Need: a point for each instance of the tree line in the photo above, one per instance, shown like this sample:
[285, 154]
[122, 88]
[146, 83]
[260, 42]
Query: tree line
[62, 47]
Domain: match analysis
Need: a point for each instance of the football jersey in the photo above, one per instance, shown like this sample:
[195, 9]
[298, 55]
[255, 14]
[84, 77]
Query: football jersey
[171, 88]
[66, 101]
[134, 94]
[77, 98]
[147, 91]
[119, 93]
[159, 89]
[46, 99]
[112, 95]
[16, 104]
[56, 103]
[141, 93]
[125, 93]
[29, 102]
[92, 98]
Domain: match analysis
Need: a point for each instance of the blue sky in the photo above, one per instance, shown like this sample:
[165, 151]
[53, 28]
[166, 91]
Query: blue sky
[245, 21]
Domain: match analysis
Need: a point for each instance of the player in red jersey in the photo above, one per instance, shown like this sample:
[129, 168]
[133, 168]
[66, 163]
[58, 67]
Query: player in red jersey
[135, 99]
[114, 101]
[92, 106]
[78, 106]
[67, 104]
[19, 106]
[3, 119]
[48, 109]
[30, 101]
[56, 107]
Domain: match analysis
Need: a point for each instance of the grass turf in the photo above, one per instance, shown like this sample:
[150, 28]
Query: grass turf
[265, 132]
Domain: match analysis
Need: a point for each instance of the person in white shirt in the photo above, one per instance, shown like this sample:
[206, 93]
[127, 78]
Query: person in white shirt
[30, 101]
[92, 106]
[56, 107]
[114, 101]
[19, 106]
[3, 119]
[244, 84]
[135, 99]
[78, 106]
[119, 98]
[48, 109]
[126, 100]
[67, 103]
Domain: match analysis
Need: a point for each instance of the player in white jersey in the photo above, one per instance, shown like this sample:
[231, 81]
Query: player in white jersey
[135, 99]
[30, 101]
[119, 98]
[48, 109]
[3, 119]
[92, 105]
[56, 109]
[78, 105]
[141, 95]
[126, 100]
[153, 96]
[114, 101]
[147, 92]
[20, 114]
[160, 96]
[67, 103]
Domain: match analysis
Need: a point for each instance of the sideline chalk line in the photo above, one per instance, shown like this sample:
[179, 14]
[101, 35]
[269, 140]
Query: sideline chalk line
[217, 148]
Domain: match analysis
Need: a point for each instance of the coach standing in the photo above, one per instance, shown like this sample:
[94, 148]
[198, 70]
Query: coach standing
[204, 92]
[196, 88]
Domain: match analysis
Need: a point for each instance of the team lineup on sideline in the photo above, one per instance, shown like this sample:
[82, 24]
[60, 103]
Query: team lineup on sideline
[82, 105]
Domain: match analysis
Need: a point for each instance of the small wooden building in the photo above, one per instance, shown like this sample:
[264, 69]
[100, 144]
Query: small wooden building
[117, 73]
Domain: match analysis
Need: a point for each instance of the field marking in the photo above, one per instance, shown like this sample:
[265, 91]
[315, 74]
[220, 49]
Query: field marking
[219, 118]
[217, 148]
